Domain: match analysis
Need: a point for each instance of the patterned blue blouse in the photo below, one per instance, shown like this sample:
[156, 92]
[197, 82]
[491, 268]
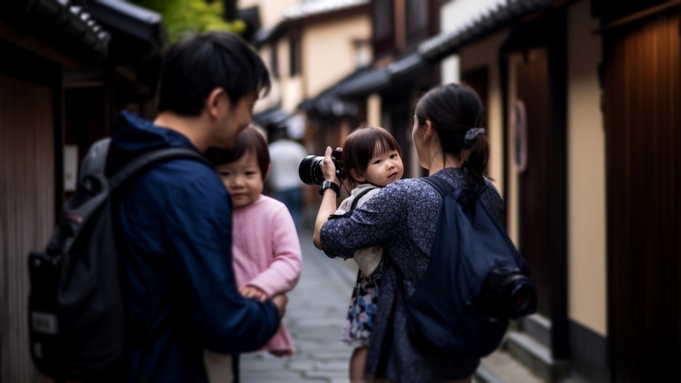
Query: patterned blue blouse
[402, 218]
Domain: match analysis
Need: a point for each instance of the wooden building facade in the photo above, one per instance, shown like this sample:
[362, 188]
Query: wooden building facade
[67, 69]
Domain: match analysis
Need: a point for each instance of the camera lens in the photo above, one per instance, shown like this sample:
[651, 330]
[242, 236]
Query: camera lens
[310, 172]
[507, 293]
[521, 300]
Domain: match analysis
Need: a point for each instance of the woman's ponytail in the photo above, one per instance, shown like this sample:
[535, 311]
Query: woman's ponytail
[476, 163]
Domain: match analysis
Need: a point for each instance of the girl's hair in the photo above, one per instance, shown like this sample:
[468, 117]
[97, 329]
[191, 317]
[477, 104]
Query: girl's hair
[361, 146]
[250, 141]
[453, 110]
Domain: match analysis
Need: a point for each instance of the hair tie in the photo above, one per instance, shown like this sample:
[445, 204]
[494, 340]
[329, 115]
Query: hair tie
[471, 136]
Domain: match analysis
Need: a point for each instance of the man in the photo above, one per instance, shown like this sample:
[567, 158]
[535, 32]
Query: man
[175, 220]
[283, 179]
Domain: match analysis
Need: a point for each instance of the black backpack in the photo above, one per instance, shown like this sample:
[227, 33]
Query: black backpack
[475, 281]
[76, 311]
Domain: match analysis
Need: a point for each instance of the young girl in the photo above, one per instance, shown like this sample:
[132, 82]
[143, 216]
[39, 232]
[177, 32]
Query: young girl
[265, 250]
[372, 160]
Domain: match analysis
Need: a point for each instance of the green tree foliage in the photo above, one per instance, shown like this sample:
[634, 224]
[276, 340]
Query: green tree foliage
[182, 16]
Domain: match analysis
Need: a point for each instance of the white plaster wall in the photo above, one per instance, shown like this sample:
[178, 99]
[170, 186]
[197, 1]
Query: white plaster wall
[458, 14]
[586, 173]
[450, 69]
[374, 109]
[292, 93]
[329, 53]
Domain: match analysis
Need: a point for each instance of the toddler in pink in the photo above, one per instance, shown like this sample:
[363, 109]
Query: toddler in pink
[266, 252]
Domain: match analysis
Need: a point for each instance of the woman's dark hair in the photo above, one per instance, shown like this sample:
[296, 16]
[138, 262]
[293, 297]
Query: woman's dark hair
[361, 146]
[453, 110]
[194, 67]
[250, 141]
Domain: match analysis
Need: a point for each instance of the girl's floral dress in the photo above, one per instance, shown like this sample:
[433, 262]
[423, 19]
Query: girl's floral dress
[360, 318]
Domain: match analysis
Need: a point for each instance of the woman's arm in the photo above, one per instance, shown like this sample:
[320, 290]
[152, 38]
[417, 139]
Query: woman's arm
[328, 205]
[284, 272]
[374, 223]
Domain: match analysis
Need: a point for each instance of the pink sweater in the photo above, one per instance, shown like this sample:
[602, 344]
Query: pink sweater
[266, 254]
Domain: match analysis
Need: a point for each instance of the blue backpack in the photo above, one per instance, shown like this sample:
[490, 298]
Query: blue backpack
[475, 282]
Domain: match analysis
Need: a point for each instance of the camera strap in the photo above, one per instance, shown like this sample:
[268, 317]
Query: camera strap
[356, 200]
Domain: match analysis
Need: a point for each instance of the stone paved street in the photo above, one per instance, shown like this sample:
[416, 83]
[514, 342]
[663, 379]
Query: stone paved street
[315, 315]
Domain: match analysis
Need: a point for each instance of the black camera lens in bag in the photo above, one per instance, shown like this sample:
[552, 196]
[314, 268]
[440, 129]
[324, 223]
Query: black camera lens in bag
[507, 293]
[311, 173]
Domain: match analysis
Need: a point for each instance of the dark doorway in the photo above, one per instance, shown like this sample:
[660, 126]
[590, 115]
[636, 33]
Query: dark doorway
[87, 117]
[398, 119]
[643, 122]
[534, 210]
[478, 79]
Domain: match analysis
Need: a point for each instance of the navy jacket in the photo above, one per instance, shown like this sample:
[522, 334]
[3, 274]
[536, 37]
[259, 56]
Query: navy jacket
[175, 228]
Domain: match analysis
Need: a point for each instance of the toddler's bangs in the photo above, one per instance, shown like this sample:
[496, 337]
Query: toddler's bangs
[250, 141]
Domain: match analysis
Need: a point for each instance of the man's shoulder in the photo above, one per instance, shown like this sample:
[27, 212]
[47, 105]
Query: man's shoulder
[180, 171]
[182, 181]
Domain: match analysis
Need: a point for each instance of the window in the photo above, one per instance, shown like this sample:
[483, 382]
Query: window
[383, 21]
[295, 56]
[362, 52]
[418, 19]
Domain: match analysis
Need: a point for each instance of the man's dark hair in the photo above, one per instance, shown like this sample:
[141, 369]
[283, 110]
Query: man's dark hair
[194, 67]
[250, 141]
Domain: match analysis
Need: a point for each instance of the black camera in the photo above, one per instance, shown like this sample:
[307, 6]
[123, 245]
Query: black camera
[310, 172]
[507, 293]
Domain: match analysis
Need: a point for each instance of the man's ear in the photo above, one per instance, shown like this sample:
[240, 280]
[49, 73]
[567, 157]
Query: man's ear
[217, 103]
[355, 174]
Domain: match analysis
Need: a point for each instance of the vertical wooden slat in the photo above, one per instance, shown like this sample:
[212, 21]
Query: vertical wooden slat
[27, 210]
[643, 94]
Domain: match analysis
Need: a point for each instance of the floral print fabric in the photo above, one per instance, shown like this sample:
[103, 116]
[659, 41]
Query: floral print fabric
[363, 305]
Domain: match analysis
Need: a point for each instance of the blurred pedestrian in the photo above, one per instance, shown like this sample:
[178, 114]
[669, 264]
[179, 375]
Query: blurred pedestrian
[372, 160]
[283, 179]
[266, 252]
[175, 221]
[403, 218]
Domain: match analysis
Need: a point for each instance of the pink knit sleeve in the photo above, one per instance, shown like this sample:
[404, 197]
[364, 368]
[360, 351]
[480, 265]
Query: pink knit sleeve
[283, 273]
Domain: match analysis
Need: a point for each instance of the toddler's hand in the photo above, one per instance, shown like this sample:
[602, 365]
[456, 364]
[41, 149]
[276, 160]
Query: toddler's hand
[253, 292]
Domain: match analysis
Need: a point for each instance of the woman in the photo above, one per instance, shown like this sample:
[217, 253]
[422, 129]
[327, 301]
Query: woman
[402, 218]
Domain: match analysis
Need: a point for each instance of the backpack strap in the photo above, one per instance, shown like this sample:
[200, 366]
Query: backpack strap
[150, 159]
[443, 187]
[356, 200]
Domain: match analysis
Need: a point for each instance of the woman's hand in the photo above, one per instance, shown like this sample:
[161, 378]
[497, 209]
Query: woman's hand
[328, 167]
